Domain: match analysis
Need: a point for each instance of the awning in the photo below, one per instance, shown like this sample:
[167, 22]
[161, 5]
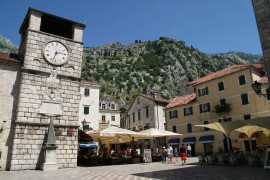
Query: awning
[174, 141]
[244, 136]
[83, 137]
[88, 144]
[189, 140]
[206, 139]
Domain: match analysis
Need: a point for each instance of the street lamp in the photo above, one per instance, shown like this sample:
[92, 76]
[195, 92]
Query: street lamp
[84, 124]
[257, 87]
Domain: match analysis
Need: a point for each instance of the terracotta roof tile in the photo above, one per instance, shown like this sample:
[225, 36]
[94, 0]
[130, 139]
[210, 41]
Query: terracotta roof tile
[223, 72]
[153, 99]
[10, 57]
[181, 100]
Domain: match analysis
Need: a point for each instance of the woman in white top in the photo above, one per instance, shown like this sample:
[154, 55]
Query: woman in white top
[170, 154]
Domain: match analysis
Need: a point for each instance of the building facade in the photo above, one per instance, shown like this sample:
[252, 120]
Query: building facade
[109, 114]
[10, 74]
[223, 96]
[48, 85]
[147, 112]
[89, 105]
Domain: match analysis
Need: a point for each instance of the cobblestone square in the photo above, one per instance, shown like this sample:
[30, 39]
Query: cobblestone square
[155, 170]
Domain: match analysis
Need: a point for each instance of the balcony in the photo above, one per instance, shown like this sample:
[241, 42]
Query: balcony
[222, 108]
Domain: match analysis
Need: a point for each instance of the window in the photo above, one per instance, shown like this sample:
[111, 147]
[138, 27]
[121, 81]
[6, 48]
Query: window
[204, 108]
[133, 117]
[174, 129]
[113, 118]
[173, 114]
[102, 106]
[247, 116]
[103, 119]
[203, 91]
[112, 106]
[188, 111]
[86, 110]
[206, 122]
[86, 92]
[189, 128]
[222, 101]
[228, 119]
[221, 86]
[244, 98]
[138, 100]
[242, 80]
[147, 111]
[139, 115]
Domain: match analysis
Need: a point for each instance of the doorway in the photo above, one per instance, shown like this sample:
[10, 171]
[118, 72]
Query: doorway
[193, 150]
[208, 148]
[225, 144]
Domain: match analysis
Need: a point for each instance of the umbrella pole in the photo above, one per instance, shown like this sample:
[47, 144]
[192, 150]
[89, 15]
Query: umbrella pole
[250, 145]
[228, 144]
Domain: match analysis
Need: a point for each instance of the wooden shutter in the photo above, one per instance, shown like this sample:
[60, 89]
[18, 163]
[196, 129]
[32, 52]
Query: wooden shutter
[200, 108]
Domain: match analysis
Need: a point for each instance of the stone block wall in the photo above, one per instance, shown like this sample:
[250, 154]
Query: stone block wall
[34, 57]
[31, 127]
[28, 152]
[10, 81]
[32, 89]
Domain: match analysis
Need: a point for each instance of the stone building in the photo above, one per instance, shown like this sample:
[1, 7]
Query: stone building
[48, 86]
[109, 113]
[89, 105]
[222, 96]
[10, 74]
[146, 112]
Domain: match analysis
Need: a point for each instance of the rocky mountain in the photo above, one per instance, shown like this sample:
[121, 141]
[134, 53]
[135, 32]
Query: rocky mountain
[7, 46]
[164, 66]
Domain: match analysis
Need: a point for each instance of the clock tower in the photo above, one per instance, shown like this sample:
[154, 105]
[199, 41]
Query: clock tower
[51, 48]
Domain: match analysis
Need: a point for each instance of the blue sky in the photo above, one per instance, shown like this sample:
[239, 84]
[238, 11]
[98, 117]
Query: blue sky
[212, 26]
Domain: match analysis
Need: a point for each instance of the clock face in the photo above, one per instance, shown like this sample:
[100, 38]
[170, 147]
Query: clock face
[56, 53]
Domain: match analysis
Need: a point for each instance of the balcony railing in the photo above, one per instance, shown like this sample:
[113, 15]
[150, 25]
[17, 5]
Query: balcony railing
[223, 108]
[103, 122]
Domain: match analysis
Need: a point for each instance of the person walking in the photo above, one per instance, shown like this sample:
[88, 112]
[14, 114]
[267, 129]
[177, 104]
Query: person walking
[183, 154]
[189, 150]
[176, 155]
[170, 154]
[164, 154]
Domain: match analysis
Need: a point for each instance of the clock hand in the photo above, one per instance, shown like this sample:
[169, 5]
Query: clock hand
[55, 54]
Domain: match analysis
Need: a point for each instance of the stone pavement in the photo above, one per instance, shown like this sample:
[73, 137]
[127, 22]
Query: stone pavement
[155, 170]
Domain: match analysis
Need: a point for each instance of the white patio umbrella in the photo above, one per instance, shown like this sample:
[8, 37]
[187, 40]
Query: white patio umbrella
[158, 133]
[115, 134]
